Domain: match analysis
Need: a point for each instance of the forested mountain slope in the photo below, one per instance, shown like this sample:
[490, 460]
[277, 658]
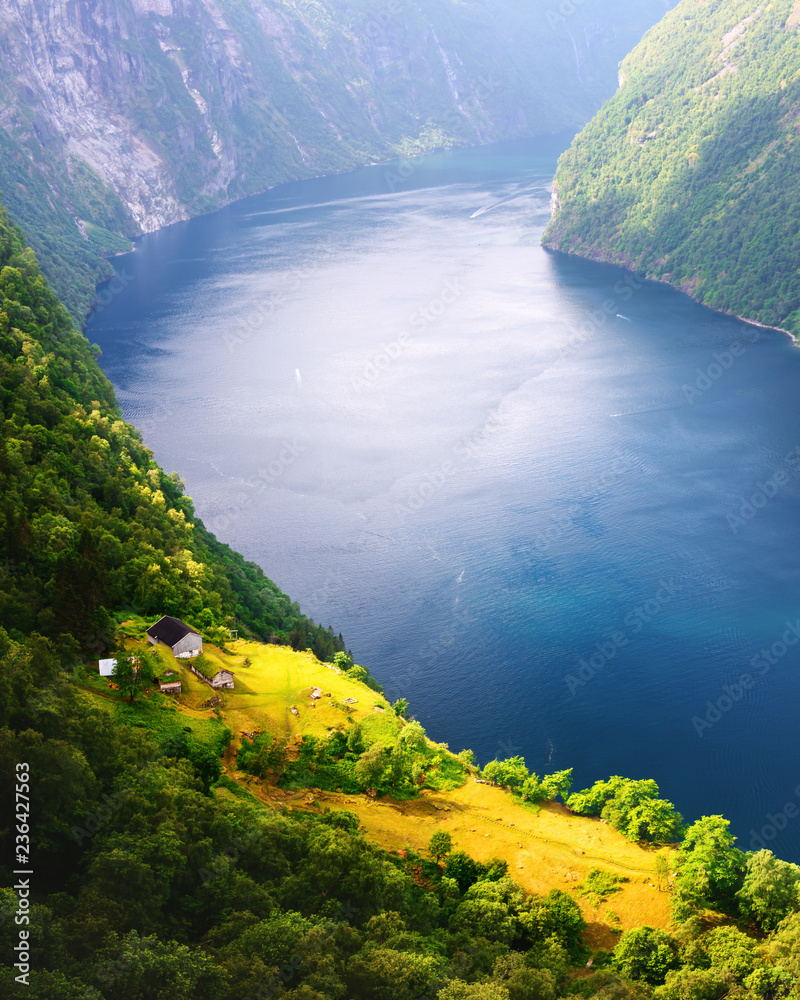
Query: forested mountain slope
[691, 172]
[155, 875]
[89, 524]
[121, 116]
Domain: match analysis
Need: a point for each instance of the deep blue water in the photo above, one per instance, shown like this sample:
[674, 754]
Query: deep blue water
[491, 467]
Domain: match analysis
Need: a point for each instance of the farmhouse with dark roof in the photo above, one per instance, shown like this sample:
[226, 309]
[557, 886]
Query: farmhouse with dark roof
[182, 640]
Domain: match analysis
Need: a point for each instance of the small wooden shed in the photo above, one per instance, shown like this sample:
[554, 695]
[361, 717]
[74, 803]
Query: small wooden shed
[222, 679]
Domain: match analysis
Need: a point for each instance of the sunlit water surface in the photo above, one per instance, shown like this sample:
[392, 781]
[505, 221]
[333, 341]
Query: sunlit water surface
[508, 477]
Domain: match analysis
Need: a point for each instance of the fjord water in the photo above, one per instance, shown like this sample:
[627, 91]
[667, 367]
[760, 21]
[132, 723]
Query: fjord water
[553, 506]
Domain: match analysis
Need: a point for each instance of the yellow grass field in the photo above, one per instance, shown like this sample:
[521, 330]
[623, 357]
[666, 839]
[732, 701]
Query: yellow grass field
[277, 680]
[551, 849]
[545, 849]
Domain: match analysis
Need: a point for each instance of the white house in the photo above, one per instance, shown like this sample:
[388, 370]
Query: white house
[182, 640]
[107, 668]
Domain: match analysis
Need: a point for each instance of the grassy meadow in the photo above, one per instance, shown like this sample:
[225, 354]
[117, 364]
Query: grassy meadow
[545, 847]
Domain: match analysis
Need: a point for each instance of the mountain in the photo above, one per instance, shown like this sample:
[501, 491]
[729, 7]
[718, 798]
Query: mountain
[691, 173]
[118, 117]
[89, 524]
[202, 852]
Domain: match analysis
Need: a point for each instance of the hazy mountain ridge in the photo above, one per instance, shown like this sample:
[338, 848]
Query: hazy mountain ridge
[121, 116]
[690, 173]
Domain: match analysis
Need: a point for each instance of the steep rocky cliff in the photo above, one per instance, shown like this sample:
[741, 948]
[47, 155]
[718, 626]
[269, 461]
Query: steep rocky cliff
[120, 116]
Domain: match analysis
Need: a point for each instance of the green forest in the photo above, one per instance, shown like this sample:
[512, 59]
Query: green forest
[91, 527]
[691, 172]
[156, 876]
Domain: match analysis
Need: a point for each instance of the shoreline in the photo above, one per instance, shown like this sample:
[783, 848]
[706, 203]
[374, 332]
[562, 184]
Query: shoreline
[396, 158]
[754, 322]
[795, 339]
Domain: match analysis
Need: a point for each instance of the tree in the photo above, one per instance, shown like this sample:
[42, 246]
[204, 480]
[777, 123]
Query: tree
[399, 765]
[126, 674]
[692, 984]
[655, 820]
[441, 844]
[770, 891]
[512, 773]
[355, 740]
[532, 789]
[784, 944]
[46, 986]
[65, 788]
[275, 939]
[491, 910]
[645, 953]
[148, 969]
[370, 766]
[710, 870]
[632, 807]
[555, 915]
[557, 784]
[457, 989]
[401, 708]
[523, 982]
[386, 974]
[662, 872]
[548, 788]
[636, 811]
[769, 983]
[342, 661]
[590, 801]
[463, 869]
[730, 951]
[412, 736]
